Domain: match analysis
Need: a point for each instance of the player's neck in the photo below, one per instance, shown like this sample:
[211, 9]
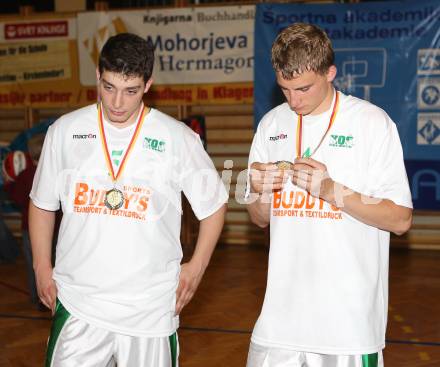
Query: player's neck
[327, 102]
[130, 121]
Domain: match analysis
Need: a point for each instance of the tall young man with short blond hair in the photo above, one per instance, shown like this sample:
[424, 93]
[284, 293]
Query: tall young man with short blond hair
[332, 191]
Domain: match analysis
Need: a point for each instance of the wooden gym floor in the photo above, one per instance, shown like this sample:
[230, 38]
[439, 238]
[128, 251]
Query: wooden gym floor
[216, 326]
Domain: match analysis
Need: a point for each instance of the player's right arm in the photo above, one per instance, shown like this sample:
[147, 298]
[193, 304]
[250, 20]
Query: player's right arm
[41, 228]
[44, 202]
[264, 178]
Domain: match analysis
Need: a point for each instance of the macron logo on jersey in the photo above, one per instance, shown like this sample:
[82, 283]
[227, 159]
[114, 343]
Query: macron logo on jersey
[84, 136]
[282, 136]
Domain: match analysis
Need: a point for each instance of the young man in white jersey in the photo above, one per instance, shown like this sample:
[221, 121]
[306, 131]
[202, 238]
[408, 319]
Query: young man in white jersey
[332, 188]
[118, 169]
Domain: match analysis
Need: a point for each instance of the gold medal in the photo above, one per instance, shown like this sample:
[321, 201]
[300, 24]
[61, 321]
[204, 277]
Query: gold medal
[284, 165]
[114, 199]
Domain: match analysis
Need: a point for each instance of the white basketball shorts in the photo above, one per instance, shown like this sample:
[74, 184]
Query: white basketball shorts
[261, 356]
[75, 343]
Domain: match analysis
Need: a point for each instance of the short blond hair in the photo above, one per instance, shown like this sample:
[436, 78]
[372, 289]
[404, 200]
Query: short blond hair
[302, 47]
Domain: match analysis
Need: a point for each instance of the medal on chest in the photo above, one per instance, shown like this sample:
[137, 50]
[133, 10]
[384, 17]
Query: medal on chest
[114, 198]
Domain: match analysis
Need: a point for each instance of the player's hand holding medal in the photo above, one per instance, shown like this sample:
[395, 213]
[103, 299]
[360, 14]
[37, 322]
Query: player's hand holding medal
[312, 176]
[267, 177]
[306, 173]
[284, 165]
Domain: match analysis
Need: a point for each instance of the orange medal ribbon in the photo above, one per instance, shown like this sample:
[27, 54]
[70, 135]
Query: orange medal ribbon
[299, 131]
[129, 148]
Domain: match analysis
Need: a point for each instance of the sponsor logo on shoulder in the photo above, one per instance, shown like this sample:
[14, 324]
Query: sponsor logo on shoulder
[282, 136]
[341, 141]
[154, 144]
[84, 136]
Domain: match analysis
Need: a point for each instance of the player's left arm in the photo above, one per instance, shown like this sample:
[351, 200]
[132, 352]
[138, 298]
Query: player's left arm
[384, 214]
[192, 272]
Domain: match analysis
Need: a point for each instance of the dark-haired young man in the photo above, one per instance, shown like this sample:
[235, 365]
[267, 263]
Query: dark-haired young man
[332, 190]
[118, 169]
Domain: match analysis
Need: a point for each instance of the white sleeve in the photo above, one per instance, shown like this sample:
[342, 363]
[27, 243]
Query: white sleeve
[387, 178]
[44, 193]
[199, 179]
[258, 153]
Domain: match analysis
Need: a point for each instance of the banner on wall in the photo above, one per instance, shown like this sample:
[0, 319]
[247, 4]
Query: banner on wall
[387, 53]
[35, 51]
[208, 47]
[38, 63]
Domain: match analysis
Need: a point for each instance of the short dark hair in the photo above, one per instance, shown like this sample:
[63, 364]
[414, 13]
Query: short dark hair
[127, 54]
[302, 47]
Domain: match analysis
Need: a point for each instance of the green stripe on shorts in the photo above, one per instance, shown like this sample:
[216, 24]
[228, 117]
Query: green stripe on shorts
[370, 360]
[173, 348]
[59, 319]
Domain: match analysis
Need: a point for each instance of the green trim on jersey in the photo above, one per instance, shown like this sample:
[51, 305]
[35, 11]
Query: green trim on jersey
[370, 360]
[116, 156]
[58, 322]
[307, 153]
[173, 349]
